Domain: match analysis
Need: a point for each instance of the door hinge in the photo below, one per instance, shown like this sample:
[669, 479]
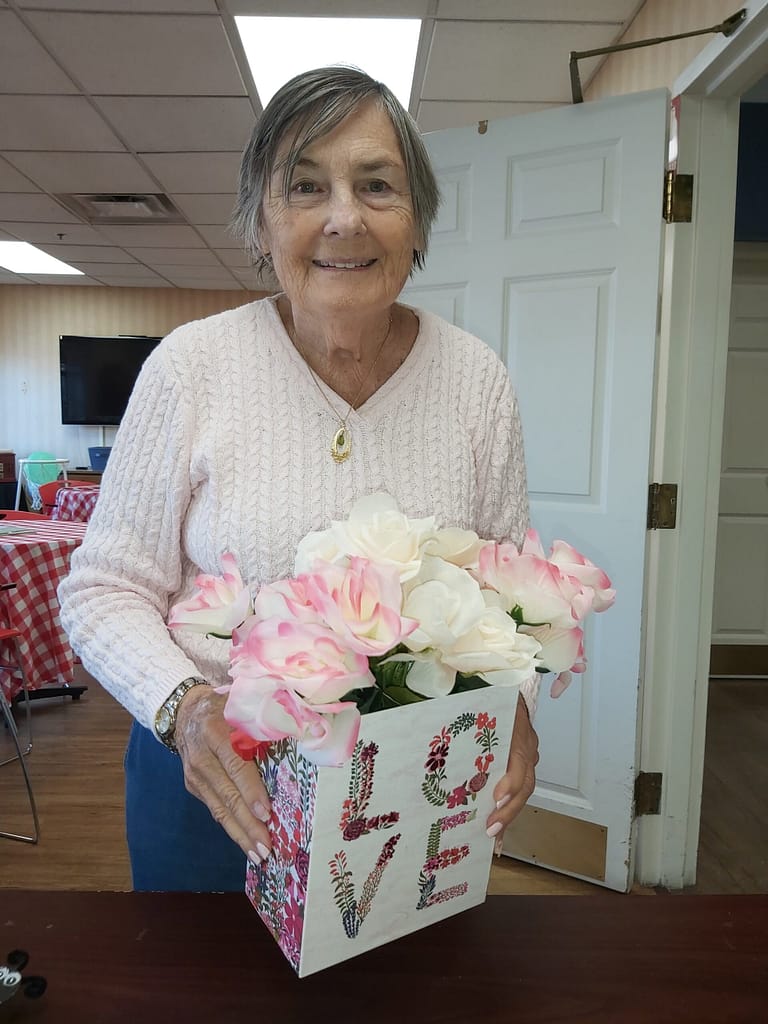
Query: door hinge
[648, 793]
[678, 198]
[662, 506]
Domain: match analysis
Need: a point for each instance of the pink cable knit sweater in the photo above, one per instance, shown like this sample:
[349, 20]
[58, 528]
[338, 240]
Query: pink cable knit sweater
[225, 447]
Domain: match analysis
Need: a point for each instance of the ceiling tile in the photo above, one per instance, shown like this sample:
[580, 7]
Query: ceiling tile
[102, 270]
[502, 61]
[88, 253]
[434, 115]
[77, 234]
[6, 277]
[234, 258]
[54, 123]
[196, 273]
[24, 206]
[224, 284]
[84, 172]
[62, 279]
[219, 237]
[172, 236]
[341, 8]
[194, 172]
[26, 66]
[165, 124]
[206, 209]
[128, 54]
[12, 181]
[150, 6]
[137, 282]
[175, 257]
[616, 11]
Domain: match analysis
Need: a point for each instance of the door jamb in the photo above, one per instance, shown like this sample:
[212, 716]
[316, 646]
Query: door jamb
[688, 425]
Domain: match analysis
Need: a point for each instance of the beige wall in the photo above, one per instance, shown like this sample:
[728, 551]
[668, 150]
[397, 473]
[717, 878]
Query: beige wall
[651, 67]
[31, 319]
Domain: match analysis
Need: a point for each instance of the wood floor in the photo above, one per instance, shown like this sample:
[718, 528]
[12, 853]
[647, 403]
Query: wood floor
[76, 770]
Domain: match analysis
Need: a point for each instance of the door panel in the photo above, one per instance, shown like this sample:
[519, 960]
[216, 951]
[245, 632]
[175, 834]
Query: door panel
[548, 248]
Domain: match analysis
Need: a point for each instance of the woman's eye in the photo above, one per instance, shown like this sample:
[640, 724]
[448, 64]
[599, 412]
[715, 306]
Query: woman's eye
[378, 186]
[304, 188]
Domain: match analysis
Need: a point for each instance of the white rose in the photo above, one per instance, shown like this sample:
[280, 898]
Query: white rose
[495, 650]
[377, 530]
[460, 547]
[445, 601]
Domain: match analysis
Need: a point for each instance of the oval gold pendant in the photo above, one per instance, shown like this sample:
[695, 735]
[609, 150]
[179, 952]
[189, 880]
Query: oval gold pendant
[341, 445]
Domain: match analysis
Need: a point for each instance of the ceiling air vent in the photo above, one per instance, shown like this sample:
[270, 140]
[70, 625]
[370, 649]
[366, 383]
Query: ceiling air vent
[152, 208]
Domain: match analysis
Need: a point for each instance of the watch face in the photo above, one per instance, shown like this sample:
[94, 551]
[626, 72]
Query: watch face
[164, 721]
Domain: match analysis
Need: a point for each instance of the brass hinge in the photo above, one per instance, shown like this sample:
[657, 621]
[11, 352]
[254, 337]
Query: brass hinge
[662, 506]
[648, 793]
[678, 198]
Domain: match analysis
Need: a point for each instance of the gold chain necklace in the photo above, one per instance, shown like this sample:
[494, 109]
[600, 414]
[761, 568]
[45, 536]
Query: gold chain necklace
[341, 445]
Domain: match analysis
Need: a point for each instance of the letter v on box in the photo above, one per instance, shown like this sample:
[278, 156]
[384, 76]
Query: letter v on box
[392, 841]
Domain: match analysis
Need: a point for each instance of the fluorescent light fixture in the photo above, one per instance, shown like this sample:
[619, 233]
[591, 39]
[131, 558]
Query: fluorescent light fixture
[279, 48]
[23, 258]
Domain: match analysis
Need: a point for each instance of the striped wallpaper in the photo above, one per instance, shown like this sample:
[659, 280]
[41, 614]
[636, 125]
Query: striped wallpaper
[652, 67]
[31, 319]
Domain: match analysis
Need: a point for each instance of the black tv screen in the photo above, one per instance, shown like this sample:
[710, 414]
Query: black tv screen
[97, 376]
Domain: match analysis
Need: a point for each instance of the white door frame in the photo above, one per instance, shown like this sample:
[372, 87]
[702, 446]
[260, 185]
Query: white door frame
[688, 426]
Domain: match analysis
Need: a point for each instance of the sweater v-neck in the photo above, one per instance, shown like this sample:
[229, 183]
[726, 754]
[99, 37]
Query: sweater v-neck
[372, 407]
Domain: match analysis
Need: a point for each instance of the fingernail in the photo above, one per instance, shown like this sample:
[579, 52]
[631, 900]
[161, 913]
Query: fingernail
[494, 830]
[263, 851]
[498, 846]
[252, 855]
[503, 802]
[261, 812]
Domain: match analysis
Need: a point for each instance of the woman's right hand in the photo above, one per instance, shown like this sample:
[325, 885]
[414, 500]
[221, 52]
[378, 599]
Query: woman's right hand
[230, 787]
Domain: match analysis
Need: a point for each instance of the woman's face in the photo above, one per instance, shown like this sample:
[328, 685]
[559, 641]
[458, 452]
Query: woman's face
[343, 241]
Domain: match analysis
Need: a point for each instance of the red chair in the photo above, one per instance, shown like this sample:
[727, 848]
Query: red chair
[16, 667]
[48, 493]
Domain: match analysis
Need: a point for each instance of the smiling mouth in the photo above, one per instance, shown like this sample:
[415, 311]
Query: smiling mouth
[343, 264]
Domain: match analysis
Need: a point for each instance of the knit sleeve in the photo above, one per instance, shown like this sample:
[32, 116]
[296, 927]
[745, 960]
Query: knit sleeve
[114, 602]
[501, 476]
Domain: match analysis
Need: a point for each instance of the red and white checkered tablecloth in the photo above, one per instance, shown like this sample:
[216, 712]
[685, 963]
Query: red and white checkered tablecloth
[75, 504]
[36, 561]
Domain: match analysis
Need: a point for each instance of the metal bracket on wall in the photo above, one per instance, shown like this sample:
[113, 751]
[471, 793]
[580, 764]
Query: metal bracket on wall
[727, 27]
[662, 506]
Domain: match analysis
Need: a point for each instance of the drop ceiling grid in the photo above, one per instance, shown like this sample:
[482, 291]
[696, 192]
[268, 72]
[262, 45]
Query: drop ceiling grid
[91, 102]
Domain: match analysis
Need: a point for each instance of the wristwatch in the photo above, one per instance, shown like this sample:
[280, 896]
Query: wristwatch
[165, 719]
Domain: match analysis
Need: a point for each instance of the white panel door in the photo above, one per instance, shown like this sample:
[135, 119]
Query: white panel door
[548, 247]
[740, 613]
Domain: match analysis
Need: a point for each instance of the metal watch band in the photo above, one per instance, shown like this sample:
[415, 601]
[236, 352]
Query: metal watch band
[165, 719]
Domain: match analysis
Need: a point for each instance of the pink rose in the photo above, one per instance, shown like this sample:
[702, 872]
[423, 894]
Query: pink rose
[361, 602]
[531, 583]
[572, 563]
[561, 649]
[309, 658]
[267, 710]
[285, 598]
[219, 604]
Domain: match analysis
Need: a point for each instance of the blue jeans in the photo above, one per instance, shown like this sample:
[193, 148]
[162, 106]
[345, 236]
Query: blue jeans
[173, 842]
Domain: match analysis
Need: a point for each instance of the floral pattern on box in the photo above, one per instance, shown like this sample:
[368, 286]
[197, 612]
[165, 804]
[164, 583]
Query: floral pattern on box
[278, 887]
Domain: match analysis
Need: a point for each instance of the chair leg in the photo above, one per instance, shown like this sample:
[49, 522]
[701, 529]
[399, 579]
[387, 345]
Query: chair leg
[27, 704]
[11, 725]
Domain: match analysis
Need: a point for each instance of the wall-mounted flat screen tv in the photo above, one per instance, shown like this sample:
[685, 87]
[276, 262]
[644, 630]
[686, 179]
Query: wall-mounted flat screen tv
[97, 376]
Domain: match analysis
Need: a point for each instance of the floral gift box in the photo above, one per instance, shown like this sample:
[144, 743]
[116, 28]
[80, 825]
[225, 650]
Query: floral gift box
[377, 691]
[393, 840]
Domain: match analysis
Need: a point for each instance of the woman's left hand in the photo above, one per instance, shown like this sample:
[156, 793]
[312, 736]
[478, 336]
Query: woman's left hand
[515, 787]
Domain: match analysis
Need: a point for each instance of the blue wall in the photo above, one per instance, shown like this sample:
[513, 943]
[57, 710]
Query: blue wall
[752, 175]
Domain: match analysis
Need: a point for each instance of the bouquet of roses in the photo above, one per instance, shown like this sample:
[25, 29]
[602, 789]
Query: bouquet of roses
[383, 611]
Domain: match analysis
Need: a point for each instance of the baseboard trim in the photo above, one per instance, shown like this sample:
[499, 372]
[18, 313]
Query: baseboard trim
[727, 660]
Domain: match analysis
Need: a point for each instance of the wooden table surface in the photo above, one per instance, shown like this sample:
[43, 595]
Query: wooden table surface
[188, 958]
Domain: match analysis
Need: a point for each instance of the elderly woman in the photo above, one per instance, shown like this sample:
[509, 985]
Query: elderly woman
[250, 428]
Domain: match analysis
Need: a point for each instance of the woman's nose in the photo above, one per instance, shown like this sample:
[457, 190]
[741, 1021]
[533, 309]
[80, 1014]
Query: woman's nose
[345, 216]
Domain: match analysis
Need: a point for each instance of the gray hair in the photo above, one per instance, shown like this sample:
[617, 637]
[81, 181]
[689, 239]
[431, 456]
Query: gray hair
[309, 106]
